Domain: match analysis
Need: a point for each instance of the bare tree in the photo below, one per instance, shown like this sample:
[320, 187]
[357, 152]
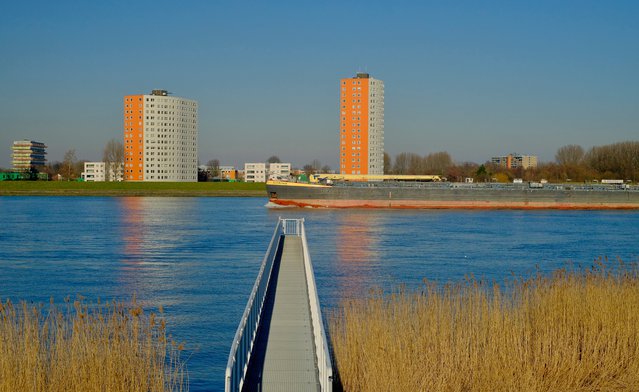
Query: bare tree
[314, 167]
[214, 167]
[437, 163]
[402, 163]
[308, 169]
[619, 160]
[273, 159]
[113, 157]
[68, 164]
[569, 155]
[388, 165]
[407, 163]
[317, 165]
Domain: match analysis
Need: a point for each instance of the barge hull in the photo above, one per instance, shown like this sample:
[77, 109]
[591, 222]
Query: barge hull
[450, 204]
[439, 197]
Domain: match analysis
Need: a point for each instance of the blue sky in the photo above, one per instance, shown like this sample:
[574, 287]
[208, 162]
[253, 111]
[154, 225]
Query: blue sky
[475, 79]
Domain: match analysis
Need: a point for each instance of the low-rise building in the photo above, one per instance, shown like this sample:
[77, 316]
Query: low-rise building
[228, 173]
[255, 172]
[279, 171]
[260, 172]
[512, 161]
[96, 172]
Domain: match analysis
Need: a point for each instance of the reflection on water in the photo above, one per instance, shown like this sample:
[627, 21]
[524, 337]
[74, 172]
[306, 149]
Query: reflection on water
[153, 226]
[132, 227]
[155, 255]
[357, 250]
[199, 257]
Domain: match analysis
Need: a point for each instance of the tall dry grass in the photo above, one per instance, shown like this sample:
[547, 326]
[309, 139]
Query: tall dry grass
[572, 331]
[101, 347]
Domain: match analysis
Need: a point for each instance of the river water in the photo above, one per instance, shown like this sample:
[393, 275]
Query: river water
[198, 257]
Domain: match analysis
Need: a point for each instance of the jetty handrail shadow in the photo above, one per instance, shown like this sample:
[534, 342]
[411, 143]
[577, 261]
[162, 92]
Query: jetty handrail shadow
[324, 365]
[247, 330]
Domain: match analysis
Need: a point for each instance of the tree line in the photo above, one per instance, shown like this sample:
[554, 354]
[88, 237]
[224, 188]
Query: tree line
[572, 163]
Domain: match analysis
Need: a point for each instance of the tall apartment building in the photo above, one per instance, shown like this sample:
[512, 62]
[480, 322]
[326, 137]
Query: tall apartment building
[361, 125]
[512, 161]
[160, 138]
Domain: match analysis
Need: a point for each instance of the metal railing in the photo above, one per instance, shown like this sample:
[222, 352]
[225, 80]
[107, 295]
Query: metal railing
[247, 330]
[244, 339]
[324, 365]
[292, 226]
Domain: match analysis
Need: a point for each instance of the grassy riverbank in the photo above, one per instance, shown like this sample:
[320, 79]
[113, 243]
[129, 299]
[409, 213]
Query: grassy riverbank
[574, 331]
[71, 188]
[103, 347]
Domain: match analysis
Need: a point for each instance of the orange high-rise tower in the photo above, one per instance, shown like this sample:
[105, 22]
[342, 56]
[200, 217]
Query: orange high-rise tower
[361, 125]
[160, 138]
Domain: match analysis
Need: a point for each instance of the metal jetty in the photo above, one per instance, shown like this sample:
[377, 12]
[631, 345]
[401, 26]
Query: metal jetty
[280, 344]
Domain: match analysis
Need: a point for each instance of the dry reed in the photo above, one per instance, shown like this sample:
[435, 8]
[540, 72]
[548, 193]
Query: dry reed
[102, 347]
[571, 331]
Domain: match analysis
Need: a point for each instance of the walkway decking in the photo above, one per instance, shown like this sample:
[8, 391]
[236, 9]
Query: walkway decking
[285, 358]
[280, 343]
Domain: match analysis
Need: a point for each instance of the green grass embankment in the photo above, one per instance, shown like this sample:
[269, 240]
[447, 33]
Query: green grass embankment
[71, 188]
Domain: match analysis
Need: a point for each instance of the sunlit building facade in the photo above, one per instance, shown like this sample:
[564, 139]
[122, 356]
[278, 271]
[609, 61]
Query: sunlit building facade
[97, 171]
[260, 172]
[160, 138]
[27, 154]
[361, 125]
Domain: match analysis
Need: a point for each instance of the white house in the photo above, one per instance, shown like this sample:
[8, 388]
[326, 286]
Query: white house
[96, 171]
[255, 172]
[260, 172]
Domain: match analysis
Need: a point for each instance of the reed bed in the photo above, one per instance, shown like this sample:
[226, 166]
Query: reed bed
[570, 331]
[80, 347]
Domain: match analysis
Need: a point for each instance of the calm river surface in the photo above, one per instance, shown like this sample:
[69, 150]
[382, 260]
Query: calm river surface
[198, 257]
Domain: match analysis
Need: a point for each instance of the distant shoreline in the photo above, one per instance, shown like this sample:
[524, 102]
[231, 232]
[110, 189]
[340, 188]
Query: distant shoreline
[126, 189]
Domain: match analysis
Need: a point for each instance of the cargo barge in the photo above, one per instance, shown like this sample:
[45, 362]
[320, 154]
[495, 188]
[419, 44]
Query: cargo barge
[453, 195]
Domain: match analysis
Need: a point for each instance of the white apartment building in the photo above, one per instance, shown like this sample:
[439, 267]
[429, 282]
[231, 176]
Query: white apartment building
[96, 171]
[279, 171]
[255, 172]
[260, 172]
[160, 138]
[376, 127]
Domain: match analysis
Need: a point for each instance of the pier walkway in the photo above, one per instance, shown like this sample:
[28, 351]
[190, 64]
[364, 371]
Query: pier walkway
[281, 344]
